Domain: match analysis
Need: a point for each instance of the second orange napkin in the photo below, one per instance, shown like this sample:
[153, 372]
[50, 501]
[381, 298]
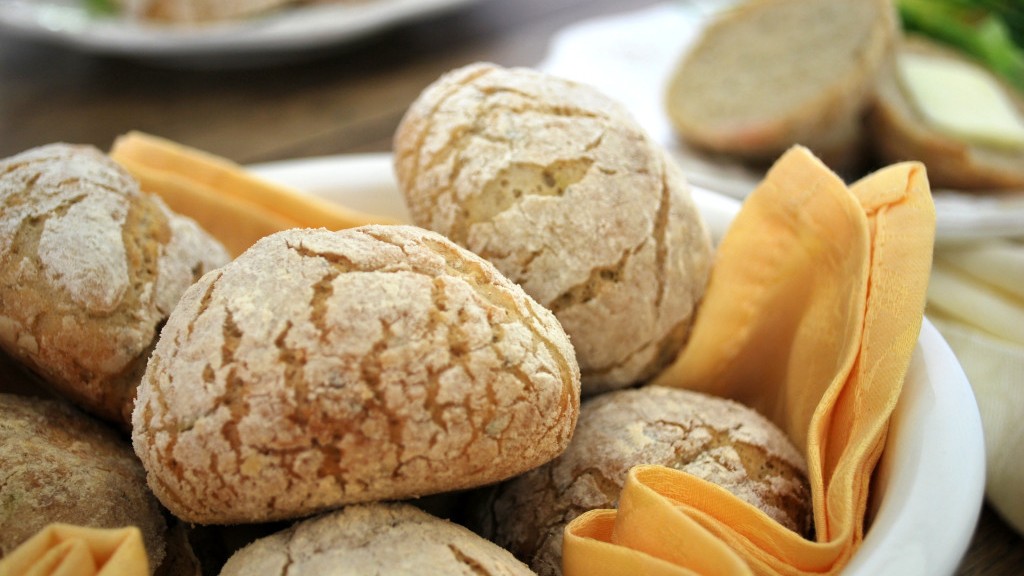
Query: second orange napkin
[70, 550]
[813, 309]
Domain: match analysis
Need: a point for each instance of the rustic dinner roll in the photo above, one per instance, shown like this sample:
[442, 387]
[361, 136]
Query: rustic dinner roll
[60, 465]
[714, 438]
[326, 368]
[767, 74]
[394, 539]
[89, 270]
[558, 187]
[900, 132]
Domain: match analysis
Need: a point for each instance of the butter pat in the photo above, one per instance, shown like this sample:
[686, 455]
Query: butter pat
[961, 100]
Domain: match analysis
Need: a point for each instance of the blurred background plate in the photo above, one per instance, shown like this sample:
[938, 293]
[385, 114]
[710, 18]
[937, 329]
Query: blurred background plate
[286, 34]
[630, 57]
[928, 487]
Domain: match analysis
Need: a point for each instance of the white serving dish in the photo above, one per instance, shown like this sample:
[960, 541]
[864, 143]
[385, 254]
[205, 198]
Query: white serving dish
[928, 489]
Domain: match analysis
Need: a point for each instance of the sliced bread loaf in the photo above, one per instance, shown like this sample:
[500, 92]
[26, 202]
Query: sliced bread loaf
[769, 74]
[900, 131]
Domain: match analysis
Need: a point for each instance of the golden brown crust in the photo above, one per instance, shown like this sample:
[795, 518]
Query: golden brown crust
[557, 186]
[713, 438]
[59, 465]
[89, 269]
[324, 368]
[393, 539]
[899, 133]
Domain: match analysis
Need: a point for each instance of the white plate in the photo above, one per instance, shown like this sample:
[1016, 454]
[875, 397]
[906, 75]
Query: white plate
[285, 34]
[928, 488]
[630, 56]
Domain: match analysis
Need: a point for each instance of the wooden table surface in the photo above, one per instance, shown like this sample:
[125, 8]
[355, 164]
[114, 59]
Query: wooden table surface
[345, 100]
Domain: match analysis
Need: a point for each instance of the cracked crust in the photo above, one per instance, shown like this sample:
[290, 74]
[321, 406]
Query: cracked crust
[396, 539]
[59, 465]
[326, 368]
[89, 270]
[713, 438]
[558, 187]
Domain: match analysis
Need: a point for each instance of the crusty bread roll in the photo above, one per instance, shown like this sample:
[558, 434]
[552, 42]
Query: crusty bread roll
[89, 270]
[899, 132]
[768, 74]
[717, 439]
[560, 188]
[392, 539]
[60, 465]
[325, 368]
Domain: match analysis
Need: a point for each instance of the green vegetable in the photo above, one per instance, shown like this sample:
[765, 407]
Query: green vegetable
[990, 30]
[101, 7]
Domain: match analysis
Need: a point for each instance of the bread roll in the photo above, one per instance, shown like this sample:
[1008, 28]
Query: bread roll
[326, 368]
[393, 539]
[768, 74]
[899, 132]
[558, 187]
[89, 270]
[59, 465]
[713, 438]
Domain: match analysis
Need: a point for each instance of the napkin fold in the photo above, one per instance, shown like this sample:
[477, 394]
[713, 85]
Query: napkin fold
[234, 205]
[69, 550]
[813, 309]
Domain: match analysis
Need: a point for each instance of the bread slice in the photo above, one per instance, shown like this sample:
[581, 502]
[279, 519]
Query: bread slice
[773, 73]
[898, 131]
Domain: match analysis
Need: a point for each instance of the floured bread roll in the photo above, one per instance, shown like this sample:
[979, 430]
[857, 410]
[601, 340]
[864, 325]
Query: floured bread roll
[713, 438]
[89, 269]
[325, 368]
[393, 539]
[558, 187]
[60, 465]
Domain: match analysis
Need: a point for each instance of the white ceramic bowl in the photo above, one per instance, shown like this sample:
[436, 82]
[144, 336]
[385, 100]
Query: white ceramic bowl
[928, 488]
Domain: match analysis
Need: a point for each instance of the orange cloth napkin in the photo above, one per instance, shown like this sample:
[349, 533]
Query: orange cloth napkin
[68, 550]
[811, 314]
[235, 206]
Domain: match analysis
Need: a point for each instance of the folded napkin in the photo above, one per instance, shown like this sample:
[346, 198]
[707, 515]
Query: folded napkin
[811, 314]
[976, 300]
[68, 550]
[234, 205]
